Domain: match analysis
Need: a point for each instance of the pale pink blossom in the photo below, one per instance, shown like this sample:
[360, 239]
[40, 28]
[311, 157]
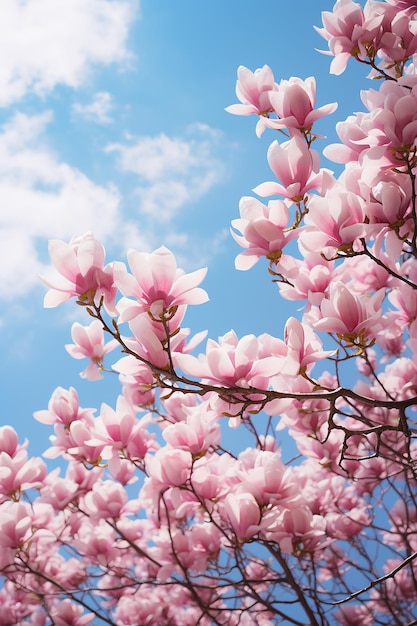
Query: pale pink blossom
[253, 89]
[82, 273]
[89, 343]
[335, 221]
[350, 31]
[355, 319]
[294, 528]
[157, 284]
[265, 231]
[196, 434]
[311, 281]
[122, 430]
[9, 441]
[67, 613]
[15, 524]
[296, 166]
[243, 513]
[169, 466]
[266, 478]
[249, 361]
[63, 408]
[294, 103]
[354, 614]
[399, 41]
[398, 120]
[107, 500]
[19, 473]
[304, 346]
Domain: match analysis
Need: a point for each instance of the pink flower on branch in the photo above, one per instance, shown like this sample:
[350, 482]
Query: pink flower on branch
[264, 231]
[296, 166]
[356, 320]
[157, 284]
[243, 513]
[253, 90]
[89, 343]
[350, 31]
[67, 613]
[83, 274]
[304, 345]
[294, 103]
[63, 408]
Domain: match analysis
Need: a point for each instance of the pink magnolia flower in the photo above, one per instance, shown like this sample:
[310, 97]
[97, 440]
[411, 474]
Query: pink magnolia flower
[18, 473]
[263, 474]
[311, 281]
[89, 343]
[264, 231]
[107, 500]
[9, 441]
[350, 31]
[334, 221]
[253, 89]
[67, 613]
[398, 122]
[243, 513]
[294, 528]
[15, 524]
[294, 103]
[399, 41]
[137, 387]
[355, 319]
[296, 166]
[83, 274]
[358, 133]
[120, 429]
[169, 466]
[303, 345]
[233, 361]
[200, 431]
[354, 614]
[63, 408]
[157, 284]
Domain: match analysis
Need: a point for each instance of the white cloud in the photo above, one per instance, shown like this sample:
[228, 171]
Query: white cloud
[44, 43]
[98, 110]
[42, 197]
[172, 172]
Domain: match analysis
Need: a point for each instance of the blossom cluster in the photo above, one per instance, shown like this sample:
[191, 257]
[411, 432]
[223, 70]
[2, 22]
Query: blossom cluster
[156, 518]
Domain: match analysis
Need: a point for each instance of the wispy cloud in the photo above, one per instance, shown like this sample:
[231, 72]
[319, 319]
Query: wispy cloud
[98, 110]
[43, 197]
[44, 43]
[172, 171]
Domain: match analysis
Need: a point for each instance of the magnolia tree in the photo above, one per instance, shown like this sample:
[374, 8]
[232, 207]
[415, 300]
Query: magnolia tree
[212, 536]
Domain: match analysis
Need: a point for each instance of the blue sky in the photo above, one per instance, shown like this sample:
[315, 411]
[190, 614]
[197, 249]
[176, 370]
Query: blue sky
[112, 120]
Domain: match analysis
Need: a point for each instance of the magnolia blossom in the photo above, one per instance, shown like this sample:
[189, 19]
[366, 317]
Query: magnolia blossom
[350, 31]
[157, 284]
[303, 344]
[164, 515]
[296, 166]
[355, 319]
[169, 466]
[265, 231]
[67, 612]
[234, 361]
[63, 408]
[294, 103]
[337, 228]
[243, 513]
[253, 89]
[82, 273]
[89, 343]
